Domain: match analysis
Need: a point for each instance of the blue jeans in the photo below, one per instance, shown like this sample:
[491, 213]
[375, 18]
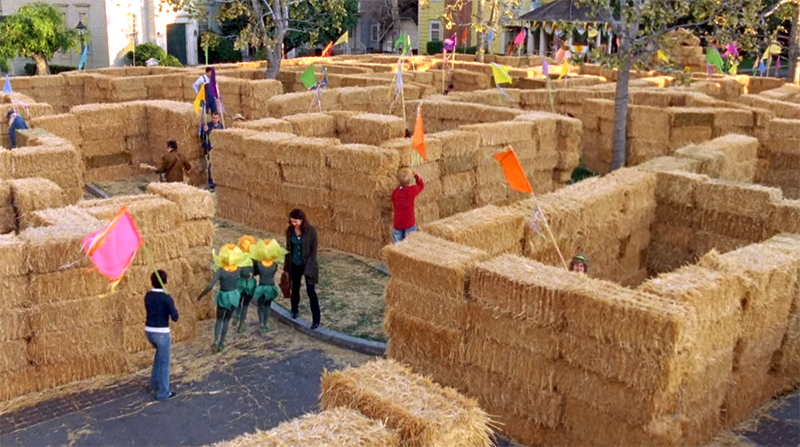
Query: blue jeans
[159, 379]
[399, 235]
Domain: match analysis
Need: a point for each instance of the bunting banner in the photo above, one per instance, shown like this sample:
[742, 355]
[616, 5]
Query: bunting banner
[7, 87]
[501, 76]
[713, 59]
[84, 53]
[199, 100]
[344, 39]
[326, 52]
[308, 78]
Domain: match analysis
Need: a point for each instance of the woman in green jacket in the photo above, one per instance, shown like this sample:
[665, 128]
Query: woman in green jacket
[228, 296]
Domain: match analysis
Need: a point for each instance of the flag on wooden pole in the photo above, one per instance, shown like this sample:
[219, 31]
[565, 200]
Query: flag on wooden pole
[418, 141]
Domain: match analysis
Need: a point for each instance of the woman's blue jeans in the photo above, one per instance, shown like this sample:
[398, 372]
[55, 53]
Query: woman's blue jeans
[159, 379]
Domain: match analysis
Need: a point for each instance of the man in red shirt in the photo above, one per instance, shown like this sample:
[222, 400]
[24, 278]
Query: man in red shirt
[403, 202]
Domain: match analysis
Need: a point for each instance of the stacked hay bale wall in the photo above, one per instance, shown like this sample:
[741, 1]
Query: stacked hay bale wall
[780, 157]
[551, 352]
[42, 155]
[346, 188]
[28, 113]
[244, 96]
[113, 139]
[60, 324]
[658, 129]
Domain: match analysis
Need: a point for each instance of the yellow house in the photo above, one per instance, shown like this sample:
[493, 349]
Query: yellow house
[432, 26]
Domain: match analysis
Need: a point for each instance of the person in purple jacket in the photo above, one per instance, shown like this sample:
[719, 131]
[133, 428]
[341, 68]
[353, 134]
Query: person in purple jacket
[160, 308]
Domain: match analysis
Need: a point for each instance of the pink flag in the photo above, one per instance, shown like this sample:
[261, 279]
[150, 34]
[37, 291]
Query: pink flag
[113, 247]
[778, 64]
[520, 37]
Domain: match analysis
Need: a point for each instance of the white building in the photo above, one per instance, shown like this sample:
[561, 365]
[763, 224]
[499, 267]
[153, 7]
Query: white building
[115, 25]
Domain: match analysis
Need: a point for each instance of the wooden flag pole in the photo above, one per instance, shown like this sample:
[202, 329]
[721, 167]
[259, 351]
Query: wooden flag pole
[549, 231]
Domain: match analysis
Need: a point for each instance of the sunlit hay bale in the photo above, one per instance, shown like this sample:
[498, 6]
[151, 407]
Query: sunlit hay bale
[13, 355]
[66, 216]
[19, 382]
[433, 263]
[101, 121]
[363, 158]
[736, 198]
[264, 125]
[14, 324]
[300, 151]
[490, 228]
[198, 232]
[287, 104]
[153, 215]
[75, 314]
[312, 125]
[424, 413]
[7, 215]
[66, 285]
[194, 203]
[507, 329]
[438, 312]
[35, 160]
[370, 128]
[336, 427]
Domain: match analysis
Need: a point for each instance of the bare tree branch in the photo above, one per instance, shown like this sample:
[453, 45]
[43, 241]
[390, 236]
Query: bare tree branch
[777, 6]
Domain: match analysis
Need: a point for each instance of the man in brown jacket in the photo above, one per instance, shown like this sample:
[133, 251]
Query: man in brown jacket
[172, 164]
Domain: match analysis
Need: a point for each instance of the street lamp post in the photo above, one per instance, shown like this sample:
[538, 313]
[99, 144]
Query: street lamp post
[81, 31]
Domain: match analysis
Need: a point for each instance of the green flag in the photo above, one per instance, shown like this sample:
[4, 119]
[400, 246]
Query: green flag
[308, 78]
[713, 58]
[401, 39]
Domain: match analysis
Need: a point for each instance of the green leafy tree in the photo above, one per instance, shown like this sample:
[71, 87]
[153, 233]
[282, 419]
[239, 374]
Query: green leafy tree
[786, 10]
[270, 21]
[36, 31]
[642, 26]
[147, 51]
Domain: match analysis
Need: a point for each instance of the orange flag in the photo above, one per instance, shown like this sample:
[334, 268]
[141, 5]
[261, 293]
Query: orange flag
[515, 176]
[418, 141]
[465, 35]
[326, 52]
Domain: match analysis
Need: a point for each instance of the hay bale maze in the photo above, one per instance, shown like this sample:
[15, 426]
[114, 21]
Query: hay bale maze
[341, 167]
[113, 139]
[58, 323]
[686, 322]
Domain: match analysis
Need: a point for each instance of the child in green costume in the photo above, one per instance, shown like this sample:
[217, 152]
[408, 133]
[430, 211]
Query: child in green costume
[265, 255]
[227, 297]
[247, 283]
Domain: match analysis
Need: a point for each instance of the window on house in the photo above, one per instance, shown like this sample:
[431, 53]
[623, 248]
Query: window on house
[375, 32]
[83, 17]
[436, 30]
[64, 17]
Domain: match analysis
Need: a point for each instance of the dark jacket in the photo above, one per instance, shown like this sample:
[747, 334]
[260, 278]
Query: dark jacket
[311, 271]
[173, 165]
[160, 308]
[17, 124]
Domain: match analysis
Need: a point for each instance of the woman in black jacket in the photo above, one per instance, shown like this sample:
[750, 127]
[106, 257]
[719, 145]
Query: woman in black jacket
[301, 241]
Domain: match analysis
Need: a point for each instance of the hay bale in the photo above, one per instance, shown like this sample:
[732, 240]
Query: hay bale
[423, 412]
[363, 158]
[418, 338]
[784, 216]
[337, 426]
[15, 292]
[434, 263]
[32, 194]
[508, 329]
[13, 253]
[312, 125]
[152, 215]
[31, 161]
[502, 395]
[198, 232]
[737, 198]
[265, 125]
[194, 203]
[82, 368]
[491, 229]
[300, 151]
[372, 186]
[370, 128]
[14, 324]
[405, 297]
[49, 248]
[13, 355]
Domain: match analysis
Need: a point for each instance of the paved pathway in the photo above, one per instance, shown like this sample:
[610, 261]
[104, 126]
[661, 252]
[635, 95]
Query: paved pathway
[241, 393]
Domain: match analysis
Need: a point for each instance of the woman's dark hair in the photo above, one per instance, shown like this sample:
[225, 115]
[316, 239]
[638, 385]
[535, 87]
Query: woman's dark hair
[172, 144]
[580, 259]
[208, 69]
[299, 215]
[154, 279]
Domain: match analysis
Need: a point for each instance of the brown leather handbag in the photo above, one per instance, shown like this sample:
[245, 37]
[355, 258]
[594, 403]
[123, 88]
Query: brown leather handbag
[286, 285]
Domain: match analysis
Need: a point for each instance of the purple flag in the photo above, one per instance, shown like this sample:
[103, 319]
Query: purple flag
[545, 67]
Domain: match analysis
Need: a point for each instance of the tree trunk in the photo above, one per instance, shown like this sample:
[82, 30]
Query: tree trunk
[618, 155]
[395, 22]
[794, 46]
[482, 34]
[42, 67]
[280, 17]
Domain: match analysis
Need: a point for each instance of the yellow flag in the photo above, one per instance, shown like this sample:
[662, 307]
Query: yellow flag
[564, 70]
[343, 39]
[774, 49]
[662, 57]
[500, 73]
[593, 33]
[201, 97]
